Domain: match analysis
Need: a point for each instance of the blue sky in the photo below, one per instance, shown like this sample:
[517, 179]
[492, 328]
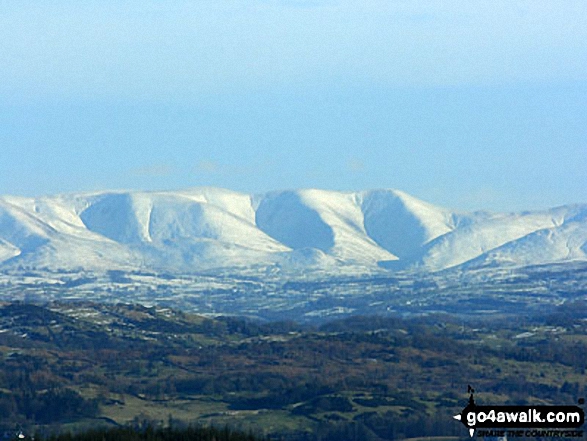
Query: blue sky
[469, 105]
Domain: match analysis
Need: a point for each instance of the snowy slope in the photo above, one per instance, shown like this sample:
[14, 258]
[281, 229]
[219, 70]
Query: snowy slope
[403, 224]
[328, 221]
[565, 240]
[47, 232]
[210, 228]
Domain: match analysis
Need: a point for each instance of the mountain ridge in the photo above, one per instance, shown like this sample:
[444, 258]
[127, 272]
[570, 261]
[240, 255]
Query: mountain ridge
[207, 228]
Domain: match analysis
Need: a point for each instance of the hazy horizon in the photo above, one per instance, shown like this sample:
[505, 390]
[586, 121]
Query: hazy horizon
[477, 106]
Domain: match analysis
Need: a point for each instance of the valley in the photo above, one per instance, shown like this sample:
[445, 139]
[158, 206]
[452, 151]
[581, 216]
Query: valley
[265, 294]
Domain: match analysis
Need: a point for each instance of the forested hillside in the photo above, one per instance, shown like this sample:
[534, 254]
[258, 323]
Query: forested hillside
[79, 366]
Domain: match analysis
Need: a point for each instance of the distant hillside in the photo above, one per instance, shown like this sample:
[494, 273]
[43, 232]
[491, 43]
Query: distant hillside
[209, 228]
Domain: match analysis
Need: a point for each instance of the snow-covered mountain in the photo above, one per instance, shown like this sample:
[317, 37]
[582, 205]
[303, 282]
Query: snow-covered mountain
[210, 228]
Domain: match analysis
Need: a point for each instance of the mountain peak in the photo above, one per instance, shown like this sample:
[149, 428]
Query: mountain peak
[211, 228]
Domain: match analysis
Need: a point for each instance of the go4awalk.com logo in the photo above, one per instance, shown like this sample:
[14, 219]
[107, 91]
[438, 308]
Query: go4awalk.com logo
[561, 421]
